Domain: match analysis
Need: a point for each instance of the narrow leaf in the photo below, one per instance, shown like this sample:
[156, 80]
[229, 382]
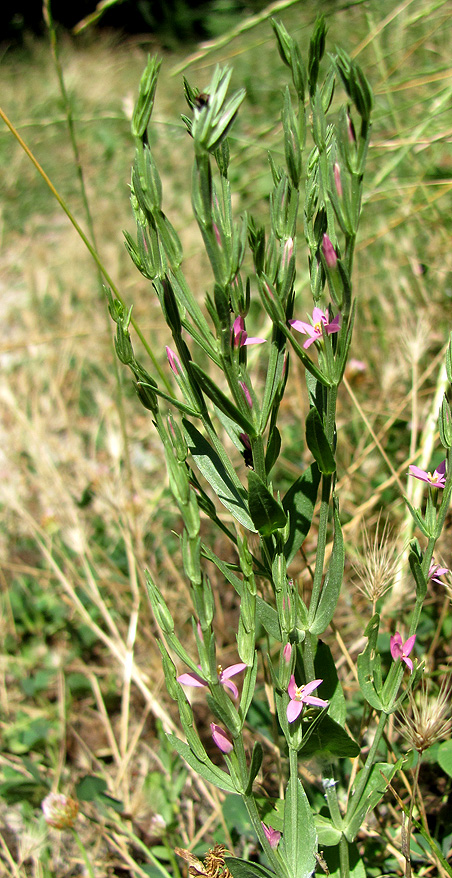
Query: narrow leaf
[333, 580]
[208, 770]
[366, 661]
[221, 400]
[224, 481]
[243, 869]
[300, 837]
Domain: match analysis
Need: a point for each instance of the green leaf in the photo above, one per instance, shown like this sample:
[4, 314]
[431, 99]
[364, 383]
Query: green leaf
[381, 774]
[268, 617]
[220, 399]
[256, 762]
[222, 479]
[90, 788]
[299, 503]
[355, 864]
[416, 569]
[243, 869]
[327, 833]
[333, 579]
[318, 444]
[418, 519]
[366, 661]
[299, 844]
[267, 514]
[248, 688]
[273, 449]
[329, 738]
[325, 669]
[445, 757]
[207, 770]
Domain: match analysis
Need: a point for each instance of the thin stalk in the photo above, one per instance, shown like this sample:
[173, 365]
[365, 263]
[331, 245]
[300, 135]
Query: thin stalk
[365, 771]
[82, 849]
[344, 860]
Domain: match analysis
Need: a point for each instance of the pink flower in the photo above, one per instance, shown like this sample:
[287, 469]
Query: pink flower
[287, 653]
[221, 739]
[223, 678]
[401, 650]
[436, 571]
[329, 252]
[246, 393]
[300, 695]
[320, 323]
[437, 480]
[174, 361]
[272, 835]
[337, 179]
[239, 335]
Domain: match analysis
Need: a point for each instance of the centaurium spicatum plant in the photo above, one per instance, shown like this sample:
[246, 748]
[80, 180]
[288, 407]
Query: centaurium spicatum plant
[220, 403]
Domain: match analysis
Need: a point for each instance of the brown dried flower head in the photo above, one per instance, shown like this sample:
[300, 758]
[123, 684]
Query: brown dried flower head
[213, 865]
[378, 564]
[428, 717]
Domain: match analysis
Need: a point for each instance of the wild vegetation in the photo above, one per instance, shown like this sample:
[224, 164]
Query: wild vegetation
[86, 506]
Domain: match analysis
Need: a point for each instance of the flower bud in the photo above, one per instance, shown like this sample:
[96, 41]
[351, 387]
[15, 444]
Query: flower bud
[329, 252]
[221, 739]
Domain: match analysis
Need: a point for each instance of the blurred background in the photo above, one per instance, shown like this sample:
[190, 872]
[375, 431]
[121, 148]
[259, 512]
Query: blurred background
[84, 504]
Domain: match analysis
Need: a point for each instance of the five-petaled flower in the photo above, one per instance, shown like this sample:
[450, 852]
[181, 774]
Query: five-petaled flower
[436, 480]
[401, 650]
[320, 324]
[272, 835]
[224, 677]
[239, 335]
[221, 739]
[436, 571]
[300, 695]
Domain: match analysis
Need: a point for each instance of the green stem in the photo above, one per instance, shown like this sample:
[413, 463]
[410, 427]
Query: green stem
[364, 774]
[344, 861]
[82, 850]
[251, 807]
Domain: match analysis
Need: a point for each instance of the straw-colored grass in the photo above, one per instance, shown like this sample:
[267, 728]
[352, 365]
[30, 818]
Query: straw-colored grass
[85, 506]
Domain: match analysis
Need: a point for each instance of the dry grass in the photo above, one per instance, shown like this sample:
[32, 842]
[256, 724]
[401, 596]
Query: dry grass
[84, 501]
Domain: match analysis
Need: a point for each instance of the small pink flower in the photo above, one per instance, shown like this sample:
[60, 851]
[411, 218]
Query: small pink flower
[320, 322]
[174, 361]
[329, 252]
[272, 835]
[437, 480]
[401, 650]
[239, 335]
[436, 571]
[221, 739]
[223, 678]
[300, 695]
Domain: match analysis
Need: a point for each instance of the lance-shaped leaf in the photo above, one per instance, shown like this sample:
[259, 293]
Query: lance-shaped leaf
[381, 774]
[267, 514]
[268, 617]
[222, 401]
[206, 769]
[244, 869]
[333, 579]
[299, 503]
[299, 844]
[256, 762]
[366, 665]
[318, 444]
[416, 569]
[222, 479]
[328, 738]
